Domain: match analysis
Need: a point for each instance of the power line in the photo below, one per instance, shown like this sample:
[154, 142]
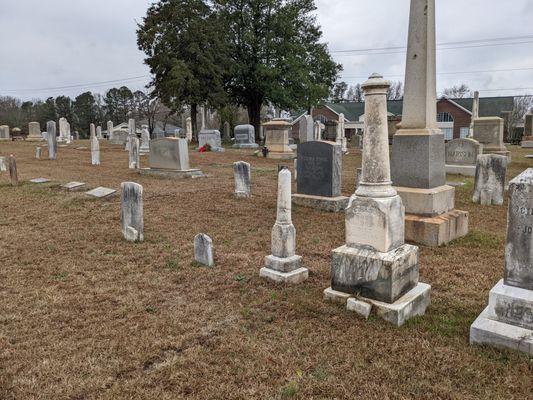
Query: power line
[474, 41]
[77, 86]
[453, 73]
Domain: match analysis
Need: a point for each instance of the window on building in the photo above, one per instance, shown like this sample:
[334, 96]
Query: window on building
[465, 132]
[448, 133]
[444, 117]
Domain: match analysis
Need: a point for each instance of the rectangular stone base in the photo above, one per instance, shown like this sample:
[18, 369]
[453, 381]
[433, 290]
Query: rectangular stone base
[427, 202]
[245, 146]
[281, 156]
[413, 303]
[436, 231]
[511, 305]
[294, 277]
[331, 204]
[465, 170]
[527, 144]
[170, 173]
[286, 264]
[369, 273]
[485, 331]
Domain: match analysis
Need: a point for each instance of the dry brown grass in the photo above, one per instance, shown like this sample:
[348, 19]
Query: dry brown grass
[86, 315]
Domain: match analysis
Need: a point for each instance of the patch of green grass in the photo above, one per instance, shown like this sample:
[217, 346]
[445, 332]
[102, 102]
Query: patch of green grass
[61, 277]
[151, 310]
[172, 265]
[479, 240]
[320, 373]
[450, 325]
[289, 390]
[240, 278]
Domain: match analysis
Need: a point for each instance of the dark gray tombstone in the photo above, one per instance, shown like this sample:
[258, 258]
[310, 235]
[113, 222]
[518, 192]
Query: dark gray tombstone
[319, 169]
[245, 137]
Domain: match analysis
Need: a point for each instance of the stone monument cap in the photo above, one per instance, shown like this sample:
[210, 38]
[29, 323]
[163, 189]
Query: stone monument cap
[376, 81]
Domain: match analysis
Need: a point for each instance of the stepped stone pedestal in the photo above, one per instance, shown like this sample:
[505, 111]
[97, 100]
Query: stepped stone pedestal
[507, 321]
[375, 269]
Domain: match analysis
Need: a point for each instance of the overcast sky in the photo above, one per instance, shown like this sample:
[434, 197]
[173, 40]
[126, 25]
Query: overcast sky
[56, 43]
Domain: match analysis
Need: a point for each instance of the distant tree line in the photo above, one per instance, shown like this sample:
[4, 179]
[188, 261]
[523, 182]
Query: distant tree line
[117, 105]
[342, 92]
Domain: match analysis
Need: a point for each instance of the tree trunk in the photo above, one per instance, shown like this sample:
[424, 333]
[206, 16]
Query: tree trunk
[254, 116]
[194, 113]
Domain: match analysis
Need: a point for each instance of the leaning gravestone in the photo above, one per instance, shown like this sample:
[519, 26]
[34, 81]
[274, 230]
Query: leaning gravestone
[203, 250]
[169, 157]
[319, 166]
[243, 178]
[245, 137]
[461, 156]
[489, 186]
[508, 319]
[212, 138]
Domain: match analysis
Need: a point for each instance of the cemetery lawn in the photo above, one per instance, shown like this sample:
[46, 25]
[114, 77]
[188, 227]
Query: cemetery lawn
[86, 315]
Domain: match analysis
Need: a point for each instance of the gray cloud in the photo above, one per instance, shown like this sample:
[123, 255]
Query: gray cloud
[63, 42]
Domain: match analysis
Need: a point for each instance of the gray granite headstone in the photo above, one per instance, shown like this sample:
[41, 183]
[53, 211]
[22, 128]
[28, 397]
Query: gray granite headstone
[319, 169]
[169, 153]
[489, 184]
[244, 137]
[203, 250]
[211, 137]
[463, 151]
[519, 247]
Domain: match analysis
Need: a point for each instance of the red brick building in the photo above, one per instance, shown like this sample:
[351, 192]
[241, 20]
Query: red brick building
[453, 115]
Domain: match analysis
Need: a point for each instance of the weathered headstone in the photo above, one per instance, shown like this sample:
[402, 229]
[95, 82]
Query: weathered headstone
[101, 192]
[489, 185]
[134, 156]
[283, 265]
[13, 174]
[319, 166]
[243, 179]
[34, 132]
[489, 132]
[461, 156]
[3, 164]
[277, 134]
[39, 180]
[4, 132]
[245, 137]
[145, 140]
[306, 129]
[188, 123]
[203, 250]
[418, 155]
[73, 186]
[341, 133]
[92, 130]
[110, 130]
[212, 138]
[375, 262]
[95, 151]
[508, 319]
[38, 153]
[120, 137]
[99, 132]
[132, 133]
[64, 130]
[131, 211]
[51, 139]
[170, 157]
[317, 130]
